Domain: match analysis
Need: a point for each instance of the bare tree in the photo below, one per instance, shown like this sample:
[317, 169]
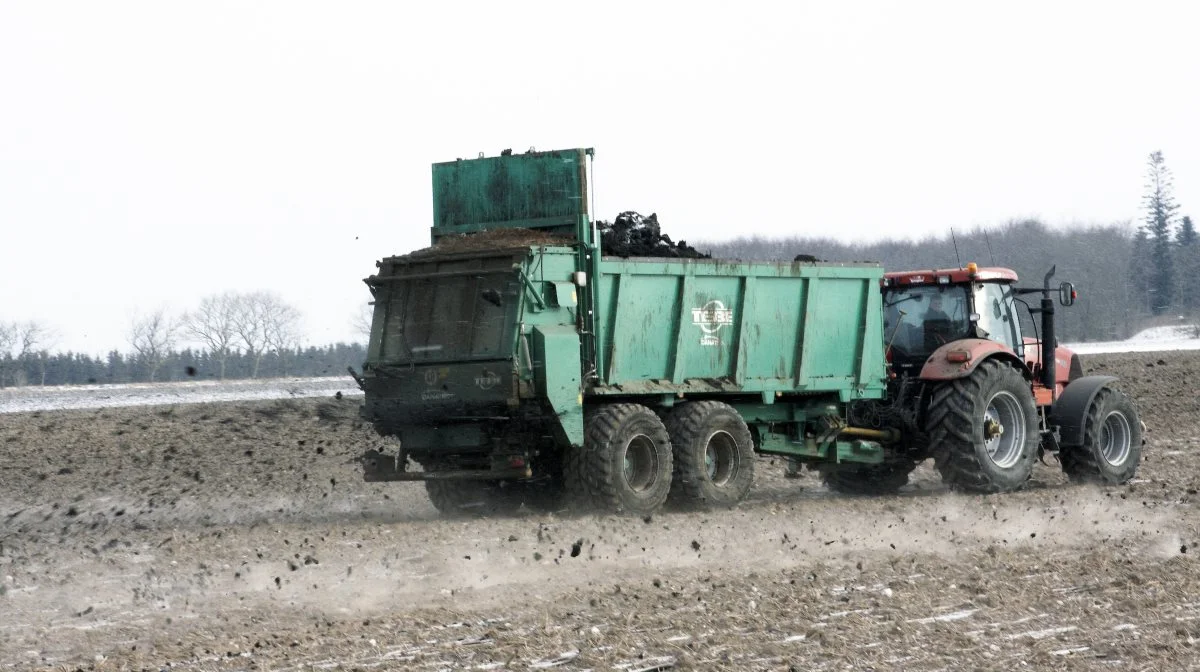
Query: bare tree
[8, 334]
[249, 320]
[153, 337]
[361, 321]
[214, 325]
[8, 337]
[19, 342]
[264, 322]
[283, 331]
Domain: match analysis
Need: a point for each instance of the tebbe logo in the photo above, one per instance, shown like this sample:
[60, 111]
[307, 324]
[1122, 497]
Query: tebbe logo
[710, 318]
[487, 380]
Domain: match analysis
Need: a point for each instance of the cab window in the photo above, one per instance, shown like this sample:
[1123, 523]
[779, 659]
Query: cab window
[997, 315]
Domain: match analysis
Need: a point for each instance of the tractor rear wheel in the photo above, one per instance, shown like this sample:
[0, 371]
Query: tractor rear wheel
[983, 429]
[625, 463]
[1112, 441]
[713, 453]
[867, 479]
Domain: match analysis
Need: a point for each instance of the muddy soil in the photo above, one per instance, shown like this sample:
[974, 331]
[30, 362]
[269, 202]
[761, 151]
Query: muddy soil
[240, 536]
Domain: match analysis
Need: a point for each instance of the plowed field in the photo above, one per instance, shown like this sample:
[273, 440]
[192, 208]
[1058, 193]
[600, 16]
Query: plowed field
[231, 536]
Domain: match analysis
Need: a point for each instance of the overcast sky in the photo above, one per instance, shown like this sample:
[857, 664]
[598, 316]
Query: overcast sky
[154, 153]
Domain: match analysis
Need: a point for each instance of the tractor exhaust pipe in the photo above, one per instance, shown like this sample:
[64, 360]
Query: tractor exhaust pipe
[1049, 341]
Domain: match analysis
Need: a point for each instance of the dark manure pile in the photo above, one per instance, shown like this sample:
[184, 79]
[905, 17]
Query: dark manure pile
[628, 235]
[632, 235]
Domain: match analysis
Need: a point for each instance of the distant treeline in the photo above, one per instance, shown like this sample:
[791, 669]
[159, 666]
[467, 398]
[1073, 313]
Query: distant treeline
[1108, 265]
[44, 368]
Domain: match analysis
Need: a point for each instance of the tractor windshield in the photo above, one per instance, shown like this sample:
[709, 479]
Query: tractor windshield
[919, 319]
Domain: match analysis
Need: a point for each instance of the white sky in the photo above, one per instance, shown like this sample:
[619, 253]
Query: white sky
[153, 153]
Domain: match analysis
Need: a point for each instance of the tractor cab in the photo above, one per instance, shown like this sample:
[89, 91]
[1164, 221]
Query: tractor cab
[924, 310]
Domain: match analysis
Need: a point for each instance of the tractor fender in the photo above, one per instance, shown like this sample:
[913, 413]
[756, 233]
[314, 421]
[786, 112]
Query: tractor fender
[939, 366]
[1070, 409]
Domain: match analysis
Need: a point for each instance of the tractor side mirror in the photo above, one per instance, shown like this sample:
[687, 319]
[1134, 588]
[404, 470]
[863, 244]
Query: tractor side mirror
[1066, 294]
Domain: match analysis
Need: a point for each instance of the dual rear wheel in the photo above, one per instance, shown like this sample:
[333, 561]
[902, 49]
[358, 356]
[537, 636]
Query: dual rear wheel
[632, 462]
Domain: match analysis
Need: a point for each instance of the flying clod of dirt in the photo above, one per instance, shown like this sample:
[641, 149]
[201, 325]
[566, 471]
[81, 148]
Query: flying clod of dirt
[632, 235]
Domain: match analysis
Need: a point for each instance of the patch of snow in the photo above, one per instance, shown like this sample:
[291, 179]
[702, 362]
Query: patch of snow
[66, 397]
[1154, 339]
[1167, 333]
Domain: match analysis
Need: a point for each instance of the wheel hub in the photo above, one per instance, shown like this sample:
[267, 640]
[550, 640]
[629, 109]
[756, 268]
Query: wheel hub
[991, 429]
[1115, 439]
[721, 458]
[640, 463]
[1004, 430]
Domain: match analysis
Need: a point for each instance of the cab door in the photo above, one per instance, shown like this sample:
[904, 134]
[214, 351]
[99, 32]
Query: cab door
[996, 306]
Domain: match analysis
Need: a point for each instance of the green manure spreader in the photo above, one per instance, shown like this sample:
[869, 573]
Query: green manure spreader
[517, 363]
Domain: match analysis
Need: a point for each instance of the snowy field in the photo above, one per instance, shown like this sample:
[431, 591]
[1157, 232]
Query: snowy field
[32, 398]
[1155, 339]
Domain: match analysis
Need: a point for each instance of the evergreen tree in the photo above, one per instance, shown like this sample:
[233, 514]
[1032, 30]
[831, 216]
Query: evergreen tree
[1140, 265]
[1186, 236]
[1187, 266]
[1160, 211]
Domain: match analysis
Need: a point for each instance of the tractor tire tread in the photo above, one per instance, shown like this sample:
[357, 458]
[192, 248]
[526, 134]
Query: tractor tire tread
[1081, 464]
[954, 408]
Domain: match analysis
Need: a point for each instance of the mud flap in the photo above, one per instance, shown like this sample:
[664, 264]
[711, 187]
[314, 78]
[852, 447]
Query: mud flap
[1070, 410]
[556, 353]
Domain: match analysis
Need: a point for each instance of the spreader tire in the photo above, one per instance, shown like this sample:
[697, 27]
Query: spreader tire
[713, 452]
[624, 465]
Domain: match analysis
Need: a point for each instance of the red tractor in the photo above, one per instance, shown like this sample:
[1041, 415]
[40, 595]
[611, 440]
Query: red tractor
[982, 398]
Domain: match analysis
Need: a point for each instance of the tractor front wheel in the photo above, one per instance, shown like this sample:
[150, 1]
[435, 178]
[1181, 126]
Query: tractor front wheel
[1112, 441]
[983, 429]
